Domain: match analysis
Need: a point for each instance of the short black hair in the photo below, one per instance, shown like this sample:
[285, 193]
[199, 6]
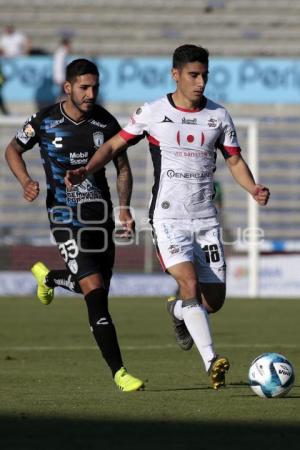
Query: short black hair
[80, 67]
[188, 53]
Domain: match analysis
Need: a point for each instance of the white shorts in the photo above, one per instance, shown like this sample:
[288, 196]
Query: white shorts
[194, 240]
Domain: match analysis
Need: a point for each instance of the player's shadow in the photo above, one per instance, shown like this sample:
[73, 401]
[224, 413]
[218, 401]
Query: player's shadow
[204, 387]
[55, 433]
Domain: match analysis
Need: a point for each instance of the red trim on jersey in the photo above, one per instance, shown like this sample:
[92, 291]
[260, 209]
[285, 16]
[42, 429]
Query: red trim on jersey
[126, 136]
[188, 110]
[178, 137]
[152, 140]
[228, 150]
[231, 150]
[160, 258]
[202, 138]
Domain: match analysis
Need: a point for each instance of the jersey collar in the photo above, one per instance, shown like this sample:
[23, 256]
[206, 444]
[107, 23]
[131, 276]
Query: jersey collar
[201, 105]
[69, 118]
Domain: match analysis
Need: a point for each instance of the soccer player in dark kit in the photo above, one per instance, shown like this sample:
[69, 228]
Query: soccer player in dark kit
[81, 221]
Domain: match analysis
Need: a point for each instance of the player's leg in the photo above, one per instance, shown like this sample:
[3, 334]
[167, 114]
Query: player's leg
[192, 311]
[175, 243]
[47, 280]
[165, 239]
[92, 267]
[96, 297]
[211, 273]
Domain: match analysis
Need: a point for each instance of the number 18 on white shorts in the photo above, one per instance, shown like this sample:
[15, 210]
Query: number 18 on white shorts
[194, 240]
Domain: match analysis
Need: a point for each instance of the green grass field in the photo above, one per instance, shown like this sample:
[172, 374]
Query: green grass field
[56, 392]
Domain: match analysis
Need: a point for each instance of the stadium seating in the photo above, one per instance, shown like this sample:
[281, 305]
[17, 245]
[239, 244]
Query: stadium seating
[137, 27]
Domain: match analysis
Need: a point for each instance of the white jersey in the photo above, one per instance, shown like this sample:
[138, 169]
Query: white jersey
[183, 146]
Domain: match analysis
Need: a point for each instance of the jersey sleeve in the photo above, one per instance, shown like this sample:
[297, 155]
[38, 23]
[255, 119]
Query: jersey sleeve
[28, 135]
[138, 126]
[113, 128]
[227, 141]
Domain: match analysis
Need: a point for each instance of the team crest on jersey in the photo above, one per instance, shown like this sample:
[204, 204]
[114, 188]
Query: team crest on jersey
[174, 249]
[212, 123]
[98, 138]
[73, 266]
[138, 111]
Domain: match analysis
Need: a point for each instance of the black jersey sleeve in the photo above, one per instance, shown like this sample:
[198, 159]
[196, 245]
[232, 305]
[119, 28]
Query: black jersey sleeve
[113, 127]
[29, 134]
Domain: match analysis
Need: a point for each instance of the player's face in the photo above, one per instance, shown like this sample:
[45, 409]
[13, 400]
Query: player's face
[191, 80]
[83, 92]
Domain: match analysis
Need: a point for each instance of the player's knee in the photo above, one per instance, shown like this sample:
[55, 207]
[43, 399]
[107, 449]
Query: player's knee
[188, 287]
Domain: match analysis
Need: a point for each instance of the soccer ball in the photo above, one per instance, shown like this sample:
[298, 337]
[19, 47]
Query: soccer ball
[271, 375]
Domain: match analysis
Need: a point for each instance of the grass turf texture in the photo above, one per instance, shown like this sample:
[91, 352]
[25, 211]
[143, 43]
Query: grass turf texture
[57, 393]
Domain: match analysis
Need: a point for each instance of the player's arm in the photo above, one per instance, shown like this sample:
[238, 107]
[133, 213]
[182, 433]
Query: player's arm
[242, 174]
[14, 157]
[124, 189]
[104, 154]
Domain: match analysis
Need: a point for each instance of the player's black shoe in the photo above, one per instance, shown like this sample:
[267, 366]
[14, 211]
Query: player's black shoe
[183, 337]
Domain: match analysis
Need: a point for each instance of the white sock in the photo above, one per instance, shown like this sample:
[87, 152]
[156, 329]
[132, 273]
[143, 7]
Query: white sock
[178, 310]
[196, 320]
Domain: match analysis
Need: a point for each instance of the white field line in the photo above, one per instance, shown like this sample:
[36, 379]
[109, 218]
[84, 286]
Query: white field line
[137, 347]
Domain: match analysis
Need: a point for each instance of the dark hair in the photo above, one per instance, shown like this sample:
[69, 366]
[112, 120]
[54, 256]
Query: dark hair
[80, 67]
[189, 53]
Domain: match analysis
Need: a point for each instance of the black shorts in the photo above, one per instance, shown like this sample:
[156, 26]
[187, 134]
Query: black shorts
[87, 250]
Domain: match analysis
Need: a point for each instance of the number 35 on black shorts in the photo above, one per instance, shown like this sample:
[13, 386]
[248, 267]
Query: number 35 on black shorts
[86, 250]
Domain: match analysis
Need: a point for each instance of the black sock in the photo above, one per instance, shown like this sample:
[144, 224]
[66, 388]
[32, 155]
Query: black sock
[64, 279]
[103, 328]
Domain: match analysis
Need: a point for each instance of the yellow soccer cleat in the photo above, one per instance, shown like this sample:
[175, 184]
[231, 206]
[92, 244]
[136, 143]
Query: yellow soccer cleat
[126, 382]
[44, 293]
[218, 369]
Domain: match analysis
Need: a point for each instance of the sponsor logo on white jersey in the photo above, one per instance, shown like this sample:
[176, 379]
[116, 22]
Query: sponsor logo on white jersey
[188, 175]
[186, 121]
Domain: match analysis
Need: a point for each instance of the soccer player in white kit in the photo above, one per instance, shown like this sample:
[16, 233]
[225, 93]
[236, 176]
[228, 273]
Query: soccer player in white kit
[185, 131]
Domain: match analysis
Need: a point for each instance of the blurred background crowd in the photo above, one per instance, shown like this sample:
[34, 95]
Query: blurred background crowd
[253, 44]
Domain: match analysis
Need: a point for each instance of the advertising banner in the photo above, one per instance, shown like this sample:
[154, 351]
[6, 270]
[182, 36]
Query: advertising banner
[278, 278]
[136, 80]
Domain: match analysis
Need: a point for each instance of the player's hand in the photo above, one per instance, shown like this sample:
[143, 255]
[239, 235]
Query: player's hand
[261, 194]
[127, 223]
[31, 190]
[74, 177]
